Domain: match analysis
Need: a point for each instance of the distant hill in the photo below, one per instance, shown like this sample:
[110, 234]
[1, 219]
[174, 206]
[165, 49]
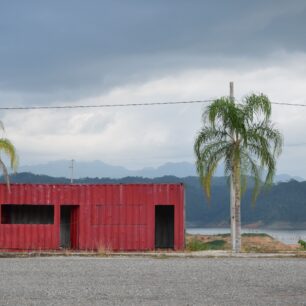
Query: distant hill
[286, 178]
[282, 206]
[60, 168]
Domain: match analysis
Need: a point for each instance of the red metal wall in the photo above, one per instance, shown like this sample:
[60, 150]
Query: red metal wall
[114, 217]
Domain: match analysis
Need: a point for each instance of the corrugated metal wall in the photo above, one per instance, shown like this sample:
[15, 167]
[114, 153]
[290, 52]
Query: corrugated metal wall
[105, 217]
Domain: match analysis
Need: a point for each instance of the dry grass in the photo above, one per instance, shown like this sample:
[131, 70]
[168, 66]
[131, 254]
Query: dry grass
[260, 243]
[265, 244]
[104, 250]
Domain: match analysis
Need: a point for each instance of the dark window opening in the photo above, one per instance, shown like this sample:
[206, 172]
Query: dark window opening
[164, 226]
[27, 214]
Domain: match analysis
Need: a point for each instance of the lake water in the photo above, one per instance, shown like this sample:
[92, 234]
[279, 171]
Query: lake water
[286, 236]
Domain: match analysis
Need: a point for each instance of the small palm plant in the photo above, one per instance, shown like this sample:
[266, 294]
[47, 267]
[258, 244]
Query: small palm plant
[244, 139]
[8, 149]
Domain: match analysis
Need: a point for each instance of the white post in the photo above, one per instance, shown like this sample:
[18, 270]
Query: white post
[232, 193]
[72, 168]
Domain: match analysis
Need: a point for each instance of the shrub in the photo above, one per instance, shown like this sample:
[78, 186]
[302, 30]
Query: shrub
[256, 235]
[197, 245]
[302, 243]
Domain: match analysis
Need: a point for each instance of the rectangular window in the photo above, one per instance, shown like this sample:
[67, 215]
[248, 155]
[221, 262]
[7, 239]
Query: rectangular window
[27, 214]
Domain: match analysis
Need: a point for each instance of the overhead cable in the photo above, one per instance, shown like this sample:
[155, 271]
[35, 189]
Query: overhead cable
[103, 105]
[126, 105]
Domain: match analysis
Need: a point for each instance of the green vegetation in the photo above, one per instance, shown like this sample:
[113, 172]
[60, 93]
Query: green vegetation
[241, 136]
[195, 244]
[248, 235]
[302, 243]
[8, 149]
[256, 235]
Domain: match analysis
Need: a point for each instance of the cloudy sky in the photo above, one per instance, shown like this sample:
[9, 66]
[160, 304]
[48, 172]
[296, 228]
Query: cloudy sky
[74, 52]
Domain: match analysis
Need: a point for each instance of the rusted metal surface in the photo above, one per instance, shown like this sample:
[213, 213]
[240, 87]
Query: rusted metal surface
[103, 217]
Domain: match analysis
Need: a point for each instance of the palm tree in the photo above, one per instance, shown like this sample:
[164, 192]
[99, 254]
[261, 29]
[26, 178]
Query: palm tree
[8, 149]
[244, 139]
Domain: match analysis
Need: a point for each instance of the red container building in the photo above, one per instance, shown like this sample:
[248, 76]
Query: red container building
[92, 217]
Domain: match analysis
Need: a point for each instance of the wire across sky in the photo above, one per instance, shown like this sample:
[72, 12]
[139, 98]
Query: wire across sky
[127, 105]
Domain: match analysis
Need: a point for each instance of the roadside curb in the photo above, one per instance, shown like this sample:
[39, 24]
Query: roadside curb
[158, 255]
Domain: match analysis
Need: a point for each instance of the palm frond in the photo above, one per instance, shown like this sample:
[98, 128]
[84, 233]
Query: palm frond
[208, 158]
[255, 171]
[5, 174]
[9, 150]
[257, 105]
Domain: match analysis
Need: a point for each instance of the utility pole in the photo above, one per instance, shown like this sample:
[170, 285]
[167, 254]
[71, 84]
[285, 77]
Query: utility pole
[232, 191]
[72, 169]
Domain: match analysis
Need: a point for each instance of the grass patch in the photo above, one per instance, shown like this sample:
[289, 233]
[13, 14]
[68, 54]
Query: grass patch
[256, 235]
[251, 242]
[198, 245]
[302, 243]
[245, 235]
[224, 235]
[104, 250]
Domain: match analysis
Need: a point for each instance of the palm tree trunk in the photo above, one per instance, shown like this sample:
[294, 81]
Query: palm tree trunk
[235, 209]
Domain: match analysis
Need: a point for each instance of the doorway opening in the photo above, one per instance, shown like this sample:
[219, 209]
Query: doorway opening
[164, 226]
[69, 226]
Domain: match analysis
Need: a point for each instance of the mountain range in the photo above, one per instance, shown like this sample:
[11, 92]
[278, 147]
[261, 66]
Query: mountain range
[283, 206]
[61, 168]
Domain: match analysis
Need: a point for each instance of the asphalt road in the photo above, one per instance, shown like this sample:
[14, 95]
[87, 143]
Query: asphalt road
[148, 281]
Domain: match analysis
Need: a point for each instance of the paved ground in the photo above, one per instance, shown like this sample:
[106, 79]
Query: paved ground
[148, 281]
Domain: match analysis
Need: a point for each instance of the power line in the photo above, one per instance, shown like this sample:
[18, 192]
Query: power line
[288, 104]
[105, 105]
[127, 105]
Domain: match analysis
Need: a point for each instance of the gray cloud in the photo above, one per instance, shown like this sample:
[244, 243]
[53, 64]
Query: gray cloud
[141, 51]
[65, 50]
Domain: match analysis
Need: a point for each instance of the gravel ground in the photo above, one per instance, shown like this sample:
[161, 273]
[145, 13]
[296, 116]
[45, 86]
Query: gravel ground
[148, 281]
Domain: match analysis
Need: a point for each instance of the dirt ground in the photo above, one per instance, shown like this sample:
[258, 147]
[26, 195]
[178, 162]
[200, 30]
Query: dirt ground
[250, 243]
